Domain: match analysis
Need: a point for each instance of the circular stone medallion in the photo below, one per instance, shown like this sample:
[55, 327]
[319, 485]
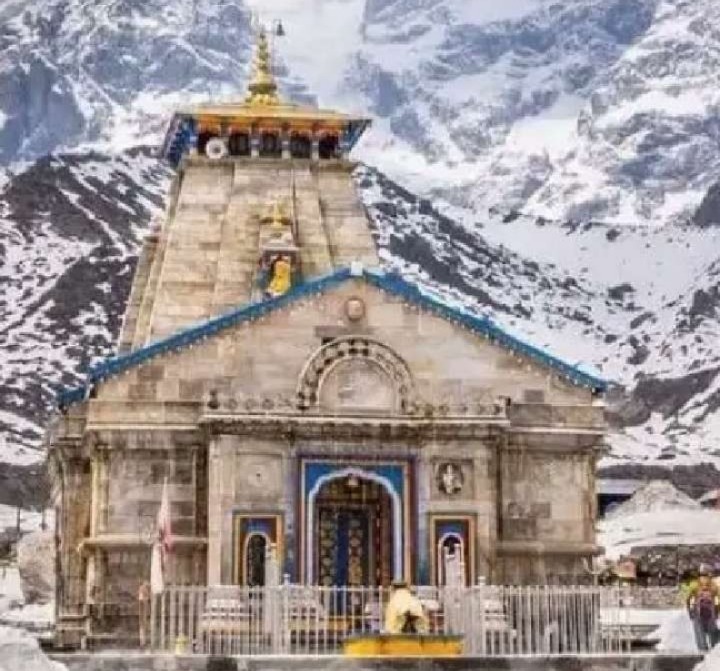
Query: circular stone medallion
[355, 309]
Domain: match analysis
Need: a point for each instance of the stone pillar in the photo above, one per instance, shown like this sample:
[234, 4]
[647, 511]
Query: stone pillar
[95, 493]
[422, 484]
[285, 141]
[254, 144]
[486, 520]
[215, 514]
[315, 149]
[104, 489]
[344, 147]
[289, 561]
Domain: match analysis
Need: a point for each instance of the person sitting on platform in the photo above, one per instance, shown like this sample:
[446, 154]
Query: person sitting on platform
[404, 613]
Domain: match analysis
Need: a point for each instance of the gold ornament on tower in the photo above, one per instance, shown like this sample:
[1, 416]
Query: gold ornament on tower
[280, 276]
[263, 90]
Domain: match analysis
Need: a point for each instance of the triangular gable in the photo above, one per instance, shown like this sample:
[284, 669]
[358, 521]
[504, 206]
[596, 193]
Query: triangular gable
[390, 282]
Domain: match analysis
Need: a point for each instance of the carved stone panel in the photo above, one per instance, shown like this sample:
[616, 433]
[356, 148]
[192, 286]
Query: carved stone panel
[452, 478]
[258, 477]
[357, 385]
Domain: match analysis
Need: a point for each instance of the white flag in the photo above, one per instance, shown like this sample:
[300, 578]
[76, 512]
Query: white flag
[164, 527]
[162, 546]
[157, 580]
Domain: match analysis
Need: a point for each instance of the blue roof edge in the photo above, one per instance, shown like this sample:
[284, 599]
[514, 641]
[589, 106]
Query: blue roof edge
[389, 282]
[485, 326]
[181, 134]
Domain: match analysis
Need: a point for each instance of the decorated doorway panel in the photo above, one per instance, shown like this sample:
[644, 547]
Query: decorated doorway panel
[353, 533]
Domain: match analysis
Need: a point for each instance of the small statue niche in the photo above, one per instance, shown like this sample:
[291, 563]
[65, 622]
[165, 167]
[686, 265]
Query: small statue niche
[279, 261]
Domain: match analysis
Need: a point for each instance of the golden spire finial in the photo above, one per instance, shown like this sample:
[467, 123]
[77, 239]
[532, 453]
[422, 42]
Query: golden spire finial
[262, 89]
[277, 216]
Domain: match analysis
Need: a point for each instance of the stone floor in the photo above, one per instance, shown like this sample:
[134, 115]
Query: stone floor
[138, 662]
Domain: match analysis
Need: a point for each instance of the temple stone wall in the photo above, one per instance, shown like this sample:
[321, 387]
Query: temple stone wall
[482, 440]
[205, 260]
[247, 475]
[133, 468]
[263, 360]
[74, 502]
[477, 499]
[546, 497]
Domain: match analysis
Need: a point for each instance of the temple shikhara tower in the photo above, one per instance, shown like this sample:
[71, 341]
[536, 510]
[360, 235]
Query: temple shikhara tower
[293, 394]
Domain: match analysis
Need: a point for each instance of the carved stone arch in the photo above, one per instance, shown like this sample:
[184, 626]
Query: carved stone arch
[330, 357]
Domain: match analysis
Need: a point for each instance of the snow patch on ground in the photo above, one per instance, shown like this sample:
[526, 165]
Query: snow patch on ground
[20, 651]
[675, 632]
[11, 595]
[711, 661]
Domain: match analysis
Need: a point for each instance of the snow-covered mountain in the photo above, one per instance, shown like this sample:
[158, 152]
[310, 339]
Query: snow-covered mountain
[637, 304]
[69, 231]
[572, 111]
[580, 109]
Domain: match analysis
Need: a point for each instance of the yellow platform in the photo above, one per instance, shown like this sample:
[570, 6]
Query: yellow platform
[403, 645]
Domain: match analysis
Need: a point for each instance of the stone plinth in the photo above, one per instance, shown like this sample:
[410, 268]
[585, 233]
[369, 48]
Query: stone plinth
[135, 662]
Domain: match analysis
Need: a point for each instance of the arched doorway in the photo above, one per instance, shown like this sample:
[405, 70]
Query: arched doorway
[328, 146]
[255, 553]
[239, 144]
[270, 145]
[300, 146]
[451, 545]
[354, 534]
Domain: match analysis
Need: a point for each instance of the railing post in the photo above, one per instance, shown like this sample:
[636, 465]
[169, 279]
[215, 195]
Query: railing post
[153, 617]
[299, 619]
[284, 635]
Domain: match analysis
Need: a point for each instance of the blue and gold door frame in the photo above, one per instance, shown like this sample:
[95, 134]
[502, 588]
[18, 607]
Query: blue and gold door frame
[355, 520]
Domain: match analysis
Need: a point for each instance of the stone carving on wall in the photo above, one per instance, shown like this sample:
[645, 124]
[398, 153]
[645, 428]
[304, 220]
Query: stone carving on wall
[355, 309]
[380, 361]
[450, 479]
[357, 385]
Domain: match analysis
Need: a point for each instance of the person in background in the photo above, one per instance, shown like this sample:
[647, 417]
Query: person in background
[703, 601]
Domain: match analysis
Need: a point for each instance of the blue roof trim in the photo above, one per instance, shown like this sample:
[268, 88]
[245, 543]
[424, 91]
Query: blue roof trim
[187, 337]
[393, 283]
[389, 282]
[181, 135]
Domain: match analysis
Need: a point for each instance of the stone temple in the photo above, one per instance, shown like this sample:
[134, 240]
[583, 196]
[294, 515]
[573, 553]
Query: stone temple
[294, 394]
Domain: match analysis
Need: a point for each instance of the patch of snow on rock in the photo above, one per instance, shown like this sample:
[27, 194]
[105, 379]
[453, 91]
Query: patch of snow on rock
[660, 528]
[658, 514]
[36, 560]
[653, 497]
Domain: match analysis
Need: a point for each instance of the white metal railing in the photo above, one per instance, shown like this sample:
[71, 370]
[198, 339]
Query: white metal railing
[311, 620]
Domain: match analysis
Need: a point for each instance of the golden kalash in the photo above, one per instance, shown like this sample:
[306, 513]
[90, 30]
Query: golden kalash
[406, 632]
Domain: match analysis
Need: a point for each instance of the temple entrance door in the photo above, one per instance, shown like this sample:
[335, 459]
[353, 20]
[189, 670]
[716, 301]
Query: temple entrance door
[353, 533]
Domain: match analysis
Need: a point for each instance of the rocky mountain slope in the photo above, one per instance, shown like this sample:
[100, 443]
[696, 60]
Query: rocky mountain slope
[609, 298]
[579, 109]
[597, 109]
[520, 125]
